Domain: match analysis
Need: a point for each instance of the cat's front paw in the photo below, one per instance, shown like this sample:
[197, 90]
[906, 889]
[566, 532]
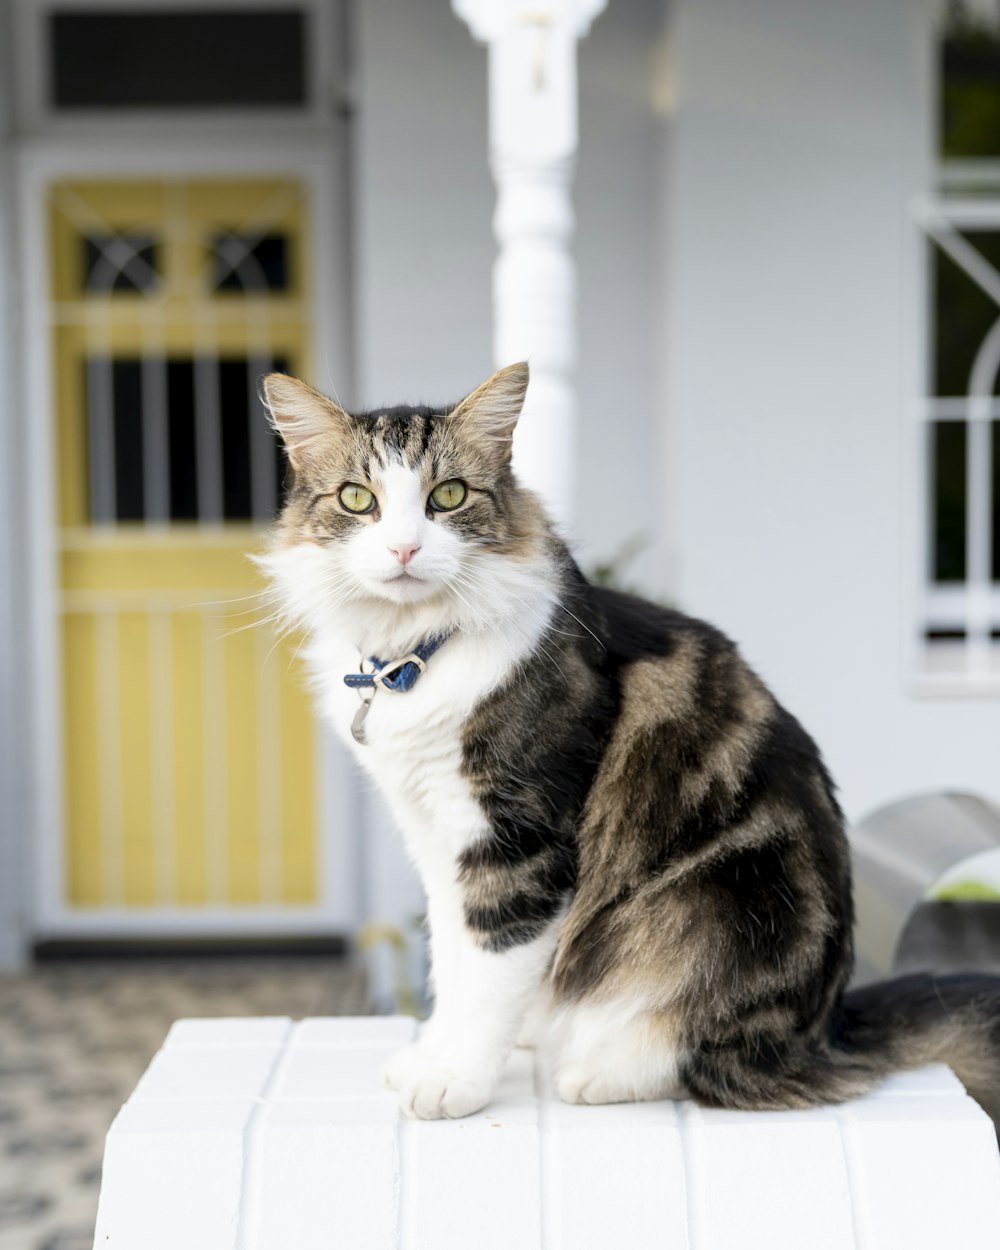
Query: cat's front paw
[401, 1066]
[441, 1092]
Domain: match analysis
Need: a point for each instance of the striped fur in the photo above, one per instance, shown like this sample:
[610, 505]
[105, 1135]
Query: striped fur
[623, 835]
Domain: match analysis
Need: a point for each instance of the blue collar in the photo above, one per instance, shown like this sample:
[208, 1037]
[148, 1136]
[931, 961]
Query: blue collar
[398, 674]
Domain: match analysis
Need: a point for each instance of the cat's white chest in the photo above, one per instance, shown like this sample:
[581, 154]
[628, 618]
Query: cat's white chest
[413, 740]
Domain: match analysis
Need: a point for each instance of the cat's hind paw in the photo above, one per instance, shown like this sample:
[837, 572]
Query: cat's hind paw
[443, 1093]
[578, 1084]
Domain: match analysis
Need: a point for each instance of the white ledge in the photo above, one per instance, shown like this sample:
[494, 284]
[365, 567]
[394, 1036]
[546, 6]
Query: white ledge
[269, 1135]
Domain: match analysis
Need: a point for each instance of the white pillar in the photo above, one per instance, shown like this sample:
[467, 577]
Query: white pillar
[533, 139]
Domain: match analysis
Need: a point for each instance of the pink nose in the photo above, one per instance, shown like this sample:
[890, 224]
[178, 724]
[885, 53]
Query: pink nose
[404, 554]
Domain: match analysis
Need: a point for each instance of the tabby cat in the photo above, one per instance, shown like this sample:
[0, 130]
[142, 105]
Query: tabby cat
[630, 849]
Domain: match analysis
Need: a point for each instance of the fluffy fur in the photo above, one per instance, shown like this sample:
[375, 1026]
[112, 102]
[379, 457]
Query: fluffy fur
[629, 848]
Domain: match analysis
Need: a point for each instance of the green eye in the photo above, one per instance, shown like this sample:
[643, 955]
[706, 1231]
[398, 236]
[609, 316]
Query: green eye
[448, 495]
[356, 498]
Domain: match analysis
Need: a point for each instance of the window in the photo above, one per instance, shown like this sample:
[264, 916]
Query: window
[959, 627]
[119, 262]
[969, 123]
[179, 438]
[247, 263]
[175, 59]
[171, 299]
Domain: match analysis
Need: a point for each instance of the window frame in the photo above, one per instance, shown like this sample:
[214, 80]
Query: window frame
[969, 665]
[325, 74]
[320, 163]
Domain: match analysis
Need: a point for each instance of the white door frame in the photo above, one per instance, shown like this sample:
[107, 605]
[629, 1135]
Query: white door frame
[321, 163]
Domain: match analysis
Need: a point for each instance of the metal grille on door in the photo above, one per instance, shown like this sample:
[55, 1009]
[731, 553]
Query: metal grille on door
[189, 748]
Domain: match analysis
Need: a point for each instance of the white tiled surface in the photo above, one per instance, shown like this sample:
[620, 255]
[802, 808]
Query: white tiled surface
[264, 1135]
[75, 1037]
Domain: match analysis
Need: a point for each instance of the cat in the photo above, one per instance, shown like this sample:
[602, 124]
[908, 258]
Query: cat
[630, 849]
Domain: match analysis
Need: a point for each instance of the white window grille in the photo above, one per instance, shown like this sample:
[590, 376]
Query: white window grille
[957, 435]
[959, 609]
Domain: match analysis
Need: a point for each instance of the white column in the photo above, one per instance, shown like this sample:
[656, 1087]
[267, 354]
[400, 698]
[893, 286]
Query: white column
[533, 139]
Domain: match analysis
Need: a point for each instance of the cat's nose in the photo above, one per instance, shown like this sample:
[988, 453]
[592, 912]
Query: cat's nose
[404, 553]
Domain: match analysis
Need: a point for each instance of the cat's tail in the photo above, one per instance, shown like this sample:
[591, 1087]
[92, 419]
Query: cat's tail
[877, 1030]
[922, 1018]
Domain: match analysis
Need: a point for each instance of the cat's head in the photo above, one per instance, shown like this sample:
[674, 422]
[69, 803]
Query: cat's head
[404, 508]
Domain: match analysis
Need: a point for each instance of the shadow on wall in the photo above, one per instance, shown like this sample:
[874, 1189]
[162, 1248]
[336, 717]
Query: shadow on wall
[927, 886]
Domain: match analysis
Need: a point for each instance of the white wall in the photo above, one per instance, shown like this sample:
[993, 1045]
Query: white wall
[424, 250]
[423, 203]
[13, 919]
[802, 129]
[618, 206]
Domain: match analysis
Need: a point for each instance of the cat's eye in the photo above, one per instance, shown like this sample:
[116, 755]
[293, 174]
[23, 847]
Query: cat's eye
[446, 496]
[356, 498]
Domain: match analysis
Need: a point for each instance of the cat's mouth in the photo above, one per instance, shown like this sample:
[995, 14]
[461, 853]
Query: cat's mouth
[404, 587]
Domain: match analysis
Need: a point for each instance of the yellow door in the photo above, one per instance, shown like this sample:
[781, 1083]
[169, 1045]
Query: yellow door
[188, 745]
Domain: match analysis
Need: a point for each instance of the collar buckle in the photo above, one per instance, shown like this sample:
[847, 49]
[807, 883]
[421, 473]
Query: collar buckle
[389, 675]
[398, 676]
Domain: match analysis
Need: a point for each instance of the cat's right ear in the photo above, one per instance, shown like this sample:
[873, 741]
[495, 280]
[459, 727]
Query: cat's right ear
[300, 414]
[490, 413]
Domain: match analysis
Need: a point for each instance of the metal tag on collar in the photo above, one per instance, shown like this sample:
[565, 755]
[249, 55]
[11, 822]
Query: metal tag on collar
[365, 694]
[358, 723]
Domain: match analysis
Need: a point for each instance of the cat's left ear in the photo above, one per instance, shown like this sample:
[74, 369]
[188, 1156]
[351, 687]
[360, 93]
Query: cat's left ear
[301, 415]
[490, 413]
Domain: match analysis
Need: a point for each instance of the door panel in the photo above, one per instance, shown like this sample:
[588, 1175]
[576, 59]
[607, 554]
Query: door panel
[189, 746]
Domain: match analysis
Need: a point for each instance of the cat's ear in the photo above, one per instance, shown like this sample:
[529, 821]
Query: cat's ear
[490, 413]
[300, 414]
